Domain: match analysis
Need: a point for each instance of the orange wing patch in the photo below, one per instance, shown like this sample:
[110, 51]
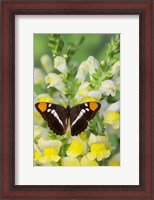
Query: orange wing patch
[42, 106]
[93, 106]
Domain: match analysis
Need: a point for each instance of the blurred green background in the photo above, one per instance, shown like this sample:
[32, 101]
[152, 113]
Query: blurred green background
[93, 44]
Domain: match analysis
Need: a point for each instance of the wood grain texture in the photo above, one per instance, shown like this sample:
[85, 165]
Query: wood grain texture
[12, 8]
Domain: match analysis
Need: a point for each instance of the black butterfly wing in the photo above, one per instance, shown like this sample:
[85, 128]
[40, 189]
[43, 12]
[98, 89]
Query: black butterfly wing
[55, 115]
[81, 114]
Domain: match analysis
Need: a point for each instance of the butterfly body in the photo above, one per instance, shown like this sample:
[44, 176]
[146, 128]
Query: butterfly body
[57, 116]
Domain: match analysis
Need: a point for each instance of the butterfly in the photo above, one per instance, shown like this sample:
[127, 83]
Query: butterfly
[57, 116]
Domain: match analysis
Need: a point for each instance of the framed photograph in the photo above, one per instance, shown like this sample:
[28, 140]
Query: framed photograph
[76, 99]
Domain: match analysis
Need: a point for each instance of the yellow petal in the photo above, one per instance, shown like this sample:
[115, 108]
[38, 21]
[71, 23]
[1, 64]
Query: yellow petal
[91, 155]
[50, 154]
[43, 98]
[75, 149]
[37, 155]
[68, 161]
[111, 117]
[87, 162]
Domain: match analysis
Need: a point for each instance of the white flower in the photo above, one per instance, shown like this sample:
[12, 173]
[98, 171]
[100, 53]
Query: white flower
[108, 87]
[46, 63]
[95, 94]
[85, 94]
[117, 83]
[83, 90]
[116, 68]
[60, 64]
[92, 64]
[114, 107]
[82, 72]
[55, 80]
[40, 132]
[39, 76]
[87, 66]
[38, 118]
[104, 106]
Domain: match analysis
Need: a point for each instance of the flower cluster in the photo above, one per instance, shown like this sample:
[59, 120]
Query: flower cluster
[62, 82]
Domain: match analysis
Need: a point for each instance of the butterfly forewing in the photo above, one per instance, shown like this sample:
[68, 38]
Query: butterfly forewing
[55, 115]
[81, 114]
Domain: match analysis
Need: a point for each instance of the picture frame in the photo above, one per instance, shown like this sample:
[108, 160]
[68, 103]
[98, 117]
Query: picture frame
[10, 9]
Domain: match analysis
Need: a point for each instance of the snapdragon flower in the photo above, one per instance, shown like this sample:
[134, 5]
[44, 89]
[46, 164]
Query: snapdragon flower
[108, 87]
[76, 148]
[85, 93]
[85, 161]
[115, 160]
[98, 151]
[87, 66]
[43, 143]
[115, 68]
[60, 64]
[69, 161]
[54, 80]
[112, 115]
[39, 77]
[50, 154]
[43, 98]
[46, 63]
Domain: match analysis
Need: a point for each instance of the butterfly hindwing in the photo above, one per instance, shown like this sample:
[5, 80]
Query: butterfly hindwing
[81, 114]
[55, 115]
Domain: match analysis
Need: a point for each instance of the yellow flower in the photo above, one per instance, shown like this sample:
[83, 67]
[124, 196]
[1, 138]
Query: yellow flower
[115, 164]
[83, 135]
[87, 99]
[75, 149]
[37, 155]
[43, 98]
[40, 132]
[99, 138]
[55, 144]
[68, 161]
[112, 118]
[87, 162]
[115, 160]
[50, 154]
[38, 118]
[98, 151]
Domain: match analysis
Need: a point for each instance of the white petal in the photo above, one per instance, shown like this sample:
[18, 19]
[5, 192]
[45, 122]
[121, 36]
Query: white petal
[38, 76]
[95, 94]
[114, 107]
[60, 64]
[46, 63]
[116, 68]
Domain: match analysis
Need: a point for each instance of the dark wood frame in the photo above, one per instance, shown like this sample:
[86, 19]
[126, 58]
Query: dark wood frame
[11, 8]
